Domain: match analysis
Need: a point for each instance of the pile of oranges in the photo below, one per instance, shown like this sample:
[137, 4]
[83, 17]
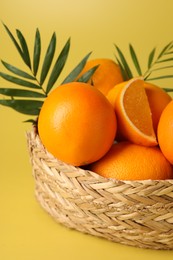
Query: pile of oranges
[118, 129]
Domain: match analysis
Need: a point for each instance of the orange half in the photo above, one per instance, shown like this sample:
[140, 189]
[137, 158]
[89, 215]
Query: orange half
[134, 118]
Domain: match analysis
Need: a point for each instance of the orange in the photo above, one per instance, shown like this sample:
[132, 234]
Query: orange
[165, 132]
[77, 124]
[134, 121]
[128, 161]
[106, 76]
[158, 100]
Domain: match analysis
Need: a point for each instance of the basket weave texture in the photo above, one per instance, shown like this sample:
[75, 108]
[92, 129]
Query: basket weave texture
[135, 213]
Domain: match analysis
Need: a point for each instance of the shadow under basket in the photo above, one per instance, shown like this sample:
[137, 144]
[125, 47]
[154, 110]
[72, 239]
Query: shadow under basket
[135, 213]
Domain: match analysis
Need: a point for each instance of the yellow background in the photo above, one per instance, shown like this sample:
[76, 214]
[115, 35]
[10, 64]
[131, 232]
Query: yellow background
[26, 231]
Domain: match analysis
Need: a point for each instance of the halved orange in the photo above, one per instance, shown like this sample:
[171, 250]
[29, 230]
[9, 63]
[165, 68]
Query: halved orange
[134, 119]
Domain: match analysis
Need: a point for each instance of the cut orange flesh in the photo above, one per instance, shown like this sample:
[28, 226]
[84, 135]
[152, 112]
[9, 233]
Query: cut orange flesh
[134, 119]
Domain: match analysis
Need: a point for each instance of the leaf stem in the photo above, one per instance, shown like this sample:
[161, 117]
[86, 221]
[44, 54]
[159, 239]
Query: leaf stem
[38, 82]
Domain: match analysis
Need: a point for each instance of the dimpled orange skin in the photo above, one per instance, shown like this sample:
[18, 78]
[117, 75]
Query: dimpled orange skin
[77, 124]
[165, 132]
[158, 100]
[128, 161]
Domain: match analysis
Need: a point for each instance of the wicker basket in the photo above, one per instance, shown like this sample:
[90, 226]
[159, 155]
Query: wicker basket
[135, 213]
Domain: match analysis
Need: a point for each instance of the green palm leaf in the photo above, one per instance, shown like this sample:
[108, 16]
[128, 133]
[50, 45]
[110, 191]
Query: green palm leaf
[88, 74]
[165, 60]
[59, 65]
[123, 71]
[48, 58]
[15, 42]
[169, 52]
[17, 71]
[13, 92]
[161, 77]
[28, 107]
[77, 70]
[161, 68]
[24, 47]
[37, 52]
[135, 60]
[168, 89]
[151, 57]
[163, 51]
[19, 81]
[124, 63]
[153, 63]
[32, 121]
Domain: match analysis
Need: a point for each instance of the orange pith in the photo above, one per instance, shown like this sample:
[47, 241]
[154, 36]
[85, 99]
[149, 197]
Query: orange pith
[77, 124]
[128, 161]
[107, 75]
[131, 106]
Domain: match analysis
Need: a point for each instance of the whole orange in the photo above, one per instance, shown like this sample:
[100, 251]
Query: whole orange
[106, 76]
[165, 132]
[128, 161]
[158, 100]
[77, 124]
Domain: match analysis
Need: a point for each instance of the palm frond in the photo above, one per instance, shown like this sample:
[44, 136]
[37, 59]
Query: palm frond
[14, 41]
[135, 60]
[151, 57]
[19, 81]
[77, 70]
[59, 65]
[35, 91]
[17, 71]
[124, 63]
[37, 52]
[159, 63]
[28, 107]
[48, 59]
[14, 92]
[88, 74]
[24, 47]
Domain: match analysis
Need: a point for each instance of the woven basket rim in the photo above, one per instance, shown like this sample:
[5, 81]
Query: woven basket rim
[33, 134]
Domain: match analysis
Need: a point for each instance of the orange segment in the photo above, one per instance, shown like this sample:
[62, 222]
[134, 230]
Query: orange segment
[134, 120]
